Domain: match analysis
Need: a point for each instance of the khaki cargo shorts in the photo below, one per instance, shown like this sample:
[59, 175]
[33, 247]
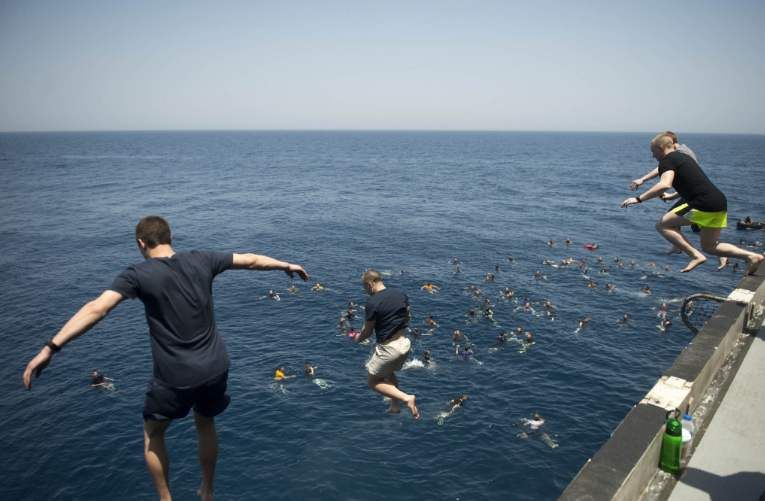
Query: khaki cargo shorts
[388, 357]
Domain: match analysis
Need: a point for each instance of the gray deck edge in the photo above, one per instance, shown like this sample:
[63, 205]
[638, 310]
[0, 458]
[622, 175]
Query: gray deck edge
[622, 468]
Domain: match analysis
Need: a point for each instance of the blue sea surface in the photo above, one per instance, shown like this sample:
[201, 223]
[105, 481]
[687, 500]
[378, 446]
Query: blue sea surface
[405, 203]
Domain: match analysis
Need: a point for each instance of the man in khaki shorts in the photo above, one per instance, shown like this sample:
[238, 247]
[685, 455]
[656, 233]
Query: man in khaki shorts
[387, 315]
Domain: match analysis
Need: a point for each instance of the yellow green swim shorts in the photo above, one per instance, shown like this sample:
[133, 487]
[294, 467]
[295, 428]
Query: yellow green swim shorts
[702, 219]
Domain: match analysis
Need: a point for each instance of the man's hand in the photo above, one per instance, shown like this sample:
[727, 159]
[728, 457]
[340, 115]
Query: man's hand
[294, 268]
[36, 366]
[666, 197]
[635, 184]
[630, 201]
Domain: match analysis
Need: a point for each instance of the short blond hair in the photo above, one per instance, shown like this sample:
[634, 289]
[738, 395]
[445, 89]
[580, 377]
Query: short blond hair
[671, 134]
[662, 141]
[371, 276]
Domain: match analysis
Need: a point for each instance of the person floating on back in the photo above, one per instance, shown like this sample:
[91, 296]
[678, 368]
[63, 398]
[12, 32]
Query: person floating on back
[190, 359]
[387, 315]
[705, 205]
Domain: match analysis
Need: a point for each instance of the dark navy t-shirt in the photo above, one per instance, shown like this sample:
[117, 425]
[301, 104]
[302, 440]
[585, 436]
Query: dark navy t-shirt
[389, 310]
[692, 184]
[177, 295]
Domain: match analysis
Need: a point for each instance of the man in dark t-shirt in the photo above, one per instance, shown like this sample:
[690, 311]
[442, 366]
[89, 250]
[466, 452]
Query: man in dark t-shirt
[705, 205]
[190, 359]
[387, 315]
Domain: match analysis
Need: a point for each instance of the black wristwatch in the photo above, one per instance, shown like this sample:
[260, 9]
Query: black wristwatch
[53, 346]
[637, 197]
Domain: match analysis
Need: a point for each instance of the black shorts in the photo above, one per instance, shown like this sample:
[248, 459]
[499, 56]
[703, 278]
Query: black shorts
[165, 402]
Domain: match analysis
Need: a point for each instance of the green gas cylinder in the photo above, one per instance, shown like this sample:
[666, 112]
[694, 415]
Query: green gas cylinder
[672, 444]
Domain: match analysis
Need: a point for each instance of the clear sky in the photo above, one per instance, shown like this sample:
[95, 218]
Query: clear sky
[691, 66]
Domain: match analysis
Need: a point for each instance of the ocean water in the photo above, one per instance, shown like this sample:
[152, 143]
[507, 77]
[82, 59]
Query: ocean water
[405, 203]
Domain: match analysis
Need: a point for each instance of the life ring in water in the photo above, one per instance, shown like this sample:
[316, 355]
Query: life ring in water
[591, 246]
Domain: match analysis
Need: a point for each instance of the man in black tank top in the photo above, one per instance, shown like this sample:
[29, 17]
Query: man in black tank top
[190, 359]
[705, 205]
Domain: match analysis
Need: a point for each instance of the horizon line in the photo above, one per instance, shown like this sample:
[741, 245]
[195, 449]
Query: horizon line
[553, 131]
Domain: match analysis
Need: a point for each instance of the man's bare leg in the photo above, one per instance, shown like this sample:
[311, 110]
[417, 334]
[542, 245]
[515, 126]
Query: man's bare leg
[155, 453]
[207, 438]
[395, 406]
[378, 384]
[669, 228]
[710, 242]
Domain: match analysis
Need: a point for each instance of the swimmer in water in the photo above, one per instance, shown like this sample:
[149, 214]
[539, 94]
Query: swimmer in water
[318, 287]
[592, 284]
[646, 290]
[538, 275]
[309, 370]
[507, 294]
[501, 338]
[427, 358]
[567, 242]
[430, 288]
[610, 287]
[457, 336]
[536, 422]
[279, 374]
[467, 352]
[273, 295]
[98, 380]
[453, 406]
[664, 324]
[583, 322]
[550, 309]
[551, 243]
[489, 277]
[528, 337]
[430, 321]
[293, 289]
[624, 320]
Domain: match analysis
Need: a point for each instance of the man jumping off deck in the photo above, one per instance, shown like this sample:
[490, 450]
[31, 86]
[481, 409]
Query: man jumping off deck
[387, 315]
[705, 205]
[190, 359]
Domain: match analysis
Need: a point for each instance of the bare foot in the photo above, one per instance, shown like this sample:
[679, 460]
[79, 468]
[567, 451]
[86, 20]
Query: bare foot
[754, 262]
[410, 403]
[205, 494]
[723, 262]
[693, 263]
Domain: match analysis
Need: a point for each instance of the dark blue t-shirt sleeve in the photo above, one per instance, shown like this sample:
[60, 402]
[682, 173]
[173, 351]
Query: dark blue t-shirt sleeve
[220, 261]
[126, 283]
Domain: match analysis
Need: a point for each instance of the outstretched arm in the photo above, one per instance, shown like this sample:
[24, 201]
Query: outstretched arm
[258, 262]
[635, 184]
[82, 321]
[664, 184]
